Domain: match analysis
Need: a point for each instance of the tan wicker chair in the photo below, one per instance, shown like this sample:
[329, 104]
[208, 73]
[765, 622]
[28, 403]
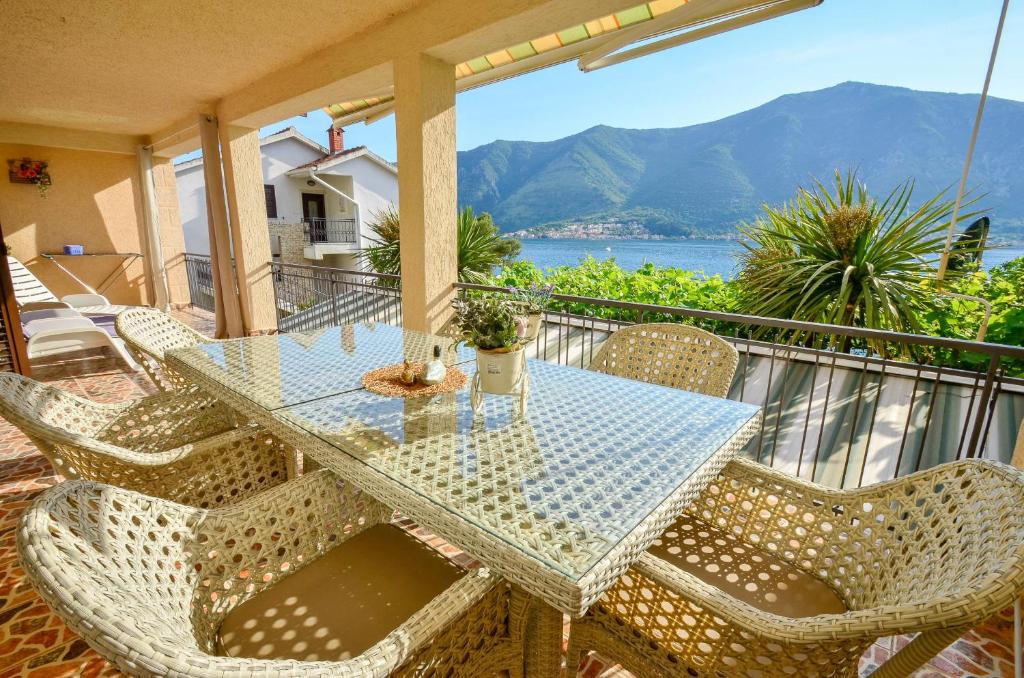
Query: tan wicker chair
[670, 354]
[149, 334]
[306, 579]
[183, 446]
[766, 575]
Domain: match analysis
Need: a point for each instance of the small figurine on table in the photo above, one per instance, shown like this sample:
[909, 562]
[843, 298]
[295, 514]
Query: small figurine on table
[408, 375]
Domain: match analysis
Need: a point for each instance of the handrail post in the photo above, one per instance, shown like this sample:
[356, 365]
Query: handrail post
[984, 404]
[334, 300]
[276, 275]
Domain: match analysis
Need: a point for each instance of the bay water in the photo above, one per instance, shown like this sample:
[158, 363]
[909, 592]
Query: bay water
[712, 257]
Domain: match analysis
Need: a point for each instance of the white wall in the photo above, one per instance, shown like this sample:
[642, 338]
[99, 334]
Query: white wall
[278, 158]
[372, 186]
[192, 206]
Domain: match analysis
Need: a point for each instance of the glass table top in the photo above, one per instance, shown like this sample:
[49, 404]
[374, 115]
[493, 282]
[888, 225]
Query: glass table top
[592, 458]
[284, 369]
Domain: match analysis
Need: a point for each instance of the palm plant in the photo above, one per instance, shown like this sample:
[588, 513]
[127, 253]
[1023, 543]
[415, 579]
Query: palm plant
[384, 256]
[481, 248]
[844, 258]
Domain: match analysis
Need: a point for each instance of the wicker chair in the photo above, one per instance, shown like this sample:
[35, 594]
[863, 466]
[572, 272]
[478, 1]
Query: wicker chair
[306, 579]
[149, 334]
[183, 446]
[670, 354]
[766, 575]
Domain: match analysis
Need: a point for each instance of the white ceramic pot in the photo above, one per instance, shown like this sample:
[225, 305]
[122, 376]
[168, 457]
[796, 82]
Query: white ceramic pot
[533, 325]
[528, 326]
[500, 372]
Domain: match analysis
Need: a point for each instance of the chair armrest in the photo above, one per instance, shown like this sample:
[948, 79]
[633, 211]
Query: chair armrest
[424, 627]
[188, 452]
[651, 571]
[77, 300]
[43, 305]
[167, 420]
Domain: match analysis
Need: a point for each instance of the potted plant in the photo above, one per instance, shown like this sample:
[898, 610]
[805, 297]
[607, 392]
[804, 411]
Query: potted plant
[492, 325]
[531, 302]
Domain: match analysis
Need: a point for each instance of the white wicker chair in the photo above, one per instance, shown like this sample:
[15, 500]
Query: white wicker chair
[772, 576]
[670, 354]
[148, 334]
[183, 446]
[306, 579]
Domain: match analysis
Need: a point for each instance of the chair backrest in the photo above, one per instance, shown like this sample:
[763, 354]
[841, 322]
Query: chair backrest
[53, 418]
[123, 569]
[27, 287]
[148, 334]
[947, 538]
[670, 354]
[153, 332]
[109, 559]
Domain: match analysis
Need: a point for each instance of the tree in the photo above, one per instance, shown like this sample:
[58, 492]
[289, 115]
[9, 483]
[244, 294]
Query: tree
[481, 248]
[843, 257]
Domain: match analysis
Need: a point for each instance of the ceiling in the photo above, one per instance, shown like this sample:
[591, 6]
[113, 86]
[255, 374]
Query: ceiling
[134, 68]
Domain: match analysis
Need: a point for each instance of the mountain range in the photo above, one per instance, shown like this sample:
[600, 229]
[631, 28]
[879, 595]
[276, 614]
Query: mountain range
[703, 179]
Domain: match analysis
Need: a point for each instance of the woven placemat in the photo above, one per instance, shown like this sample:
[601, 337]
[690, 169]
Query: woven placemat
[387, 381]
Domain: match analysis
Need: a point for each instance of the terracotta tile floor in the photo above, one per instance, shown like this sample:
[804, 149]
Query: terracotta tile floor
[33, 642]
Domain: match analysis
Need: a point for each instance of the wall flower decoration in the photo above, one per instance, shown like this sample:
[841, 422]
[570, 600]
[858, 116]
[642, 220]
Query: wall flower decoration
[28, 171]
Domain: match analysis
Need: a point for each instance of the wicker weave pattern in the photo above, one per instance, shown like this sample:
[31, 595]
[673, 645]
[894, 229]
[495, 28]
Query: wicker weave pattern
[147, 582]
[934, 552]
[182, 446]
[560, 503]
[670, 354]
[148, 334]
[486, 505]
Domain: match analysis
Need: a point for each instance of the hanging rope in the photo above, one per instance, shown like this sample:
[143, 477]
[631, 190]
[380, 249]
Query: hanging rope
[970, 147]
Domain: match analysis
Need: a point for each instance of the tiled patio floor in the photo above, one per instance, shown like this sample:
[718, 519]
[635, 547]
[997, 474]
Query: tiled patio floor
[35, 643]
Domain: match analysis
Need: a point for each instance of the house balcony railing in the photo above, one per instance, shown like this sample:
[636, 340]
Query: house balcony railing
[200, 280]
[329, 231]
[835, 411]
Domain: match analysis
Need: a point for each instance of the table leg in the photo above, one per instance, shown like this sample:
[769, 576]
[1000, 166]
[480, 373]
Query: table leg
[543, 652]
[293, 464]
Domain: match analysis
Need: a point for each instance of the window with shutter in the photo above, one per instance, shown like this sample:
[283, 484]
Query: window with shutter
[268, 192]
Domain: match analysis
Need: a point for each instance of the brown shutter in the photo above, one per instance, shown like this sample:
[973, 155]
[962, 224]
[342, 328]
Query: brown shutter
[271, 196]
[13, 357]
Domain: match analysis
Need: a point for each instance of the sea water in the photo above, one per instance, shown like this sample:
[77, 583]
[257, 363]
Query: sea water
[713, 257]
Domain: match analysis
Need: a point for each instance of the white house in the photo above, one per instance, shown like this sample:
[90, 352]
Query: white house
[319, 200]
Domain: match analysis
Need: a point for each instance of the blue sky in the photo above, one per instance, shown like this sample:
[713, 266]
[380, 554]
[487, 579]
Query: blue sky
[940, 45]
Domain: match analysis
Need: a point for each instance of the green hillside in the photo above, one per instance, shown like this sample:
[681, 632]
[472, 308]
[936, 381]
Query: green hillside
[703, 179]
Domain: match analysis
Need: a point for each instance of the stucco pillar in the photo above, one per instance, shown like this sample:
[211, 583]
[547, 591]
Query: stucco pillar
[172, 237]
[228, 315]
[425, 127]
[243, 183]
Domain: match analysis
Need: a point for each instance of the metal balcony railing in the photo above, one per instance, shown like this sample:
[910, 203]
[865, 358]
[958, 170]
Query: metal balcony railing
[200, 280]
[341, 231]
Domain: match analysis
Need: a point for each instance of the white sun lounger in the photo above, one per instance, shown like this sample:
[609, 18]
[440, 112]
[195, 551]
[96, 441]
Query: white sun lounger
[32, 295]
[57, 331]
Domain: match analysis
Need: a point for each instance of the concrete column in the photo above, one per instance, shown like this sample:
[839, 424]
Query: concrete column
[229, 319]
[425, 127]
[172, 237]
[243, 181]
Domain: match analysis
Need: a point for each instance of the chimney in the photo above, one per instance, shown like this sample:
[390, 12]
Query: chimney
[336, 139]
